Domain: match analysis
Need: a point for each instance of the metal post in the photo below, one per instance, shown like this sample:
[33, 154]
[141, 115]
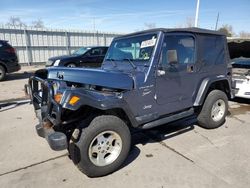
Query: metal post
[105, 41]
[67, 42]
[27, 46]
[94, 31]
[197, 13]
[97, 38]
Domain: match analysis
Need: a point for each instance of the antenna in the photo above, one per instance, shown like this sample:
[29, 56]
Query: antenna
[217, 20]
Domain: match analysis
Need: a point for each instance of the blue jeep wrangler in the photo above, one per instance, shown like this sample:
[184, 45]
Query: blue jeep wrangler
[147, 79]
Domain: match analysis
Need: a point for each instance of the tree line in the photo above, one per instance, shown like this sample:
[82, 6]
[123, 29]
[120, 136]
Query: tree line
[17, 22]
[39, 24]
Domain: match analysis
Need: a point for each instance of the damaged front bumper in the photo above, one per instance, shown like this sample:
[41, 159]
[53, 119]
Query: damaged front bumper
[48, 112]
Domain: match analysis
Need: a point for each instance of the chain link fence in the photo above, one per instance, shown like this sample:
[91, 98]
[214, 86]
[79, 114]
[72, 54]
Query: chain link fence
[35, 46]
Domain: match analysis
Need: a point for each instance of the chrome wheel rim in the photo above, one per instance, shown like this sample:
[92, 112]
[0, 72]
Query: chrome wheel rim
[71, 65]
[105, 148]
[218, 110]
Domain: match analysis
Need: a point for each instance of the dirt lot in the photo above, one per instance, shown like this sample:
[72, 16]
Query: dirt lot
[179, 155]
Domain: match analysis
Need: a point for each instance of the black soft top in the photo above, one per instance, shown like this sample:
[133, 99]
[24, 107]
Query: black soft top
[194, 30]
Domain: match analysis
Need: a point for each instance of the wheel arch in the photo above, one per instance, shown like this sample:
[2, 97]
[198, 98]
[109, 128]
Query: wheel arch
[115, 111]
[208, 85]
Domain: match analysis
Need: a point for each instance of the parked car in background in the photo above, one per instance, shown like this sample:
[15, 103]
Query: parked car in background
[8, 59]
[83, 57]
[241, 77]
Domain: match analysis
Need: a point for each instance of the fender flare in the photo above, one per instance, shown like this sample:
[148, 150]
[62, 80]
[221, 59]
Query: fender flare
[98, 101]
[204, 87]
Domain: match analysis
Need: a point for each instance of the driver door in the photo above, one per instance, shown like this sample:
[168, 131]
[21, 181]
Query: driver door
[176, 81]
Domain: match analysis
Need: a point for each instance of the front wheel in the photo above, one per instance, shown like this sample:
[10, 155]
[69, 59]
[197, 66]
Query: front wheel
[103, 146]
[214, 110]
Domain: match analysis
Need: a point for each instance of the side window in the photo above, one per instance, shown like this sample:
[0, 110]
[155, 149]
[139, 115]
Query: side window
[95, 52]
[184, 46]
[104, 51]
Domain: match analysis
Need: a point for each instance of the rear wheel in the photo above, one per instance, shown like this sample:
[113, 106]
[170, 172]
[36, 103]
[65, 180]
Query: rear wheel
[103, 146]
[214, 110]
[72, 65]
[2, 73]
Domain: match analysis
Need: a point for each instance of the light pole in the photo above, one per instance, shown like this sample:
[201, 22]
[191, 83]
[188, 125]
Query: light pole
[197, 13]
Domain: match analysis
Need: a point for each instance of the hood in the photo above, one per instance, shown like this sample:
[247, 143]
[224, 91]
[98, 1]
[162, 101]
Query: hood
[99, 77]
[63, 57]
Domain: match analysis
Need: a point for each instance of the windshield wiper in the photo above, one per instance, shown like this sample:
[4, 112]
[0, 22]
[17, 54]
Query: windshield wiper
[130, 62]
[112, 61]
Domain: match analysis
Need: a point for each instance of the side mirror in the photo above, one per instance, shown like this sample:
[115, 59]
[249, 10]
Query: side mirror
[172, 57]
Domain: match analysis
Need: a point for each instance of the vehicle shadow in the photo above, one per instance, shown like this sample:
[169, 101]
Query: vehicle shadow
[18, 76]
[156, 135]
[242, 107]
[241, 100]
[168, 131]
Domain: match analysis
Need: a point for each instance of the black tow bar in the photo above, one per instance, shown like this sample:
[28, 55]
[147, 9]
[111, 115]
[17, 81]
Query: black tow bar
[7, 105]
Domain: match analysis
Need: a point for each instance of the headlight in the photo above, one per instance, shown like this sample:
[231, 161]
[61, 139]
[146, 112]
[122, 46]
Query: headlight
[49, 63]
[57, 62]
[58, 88]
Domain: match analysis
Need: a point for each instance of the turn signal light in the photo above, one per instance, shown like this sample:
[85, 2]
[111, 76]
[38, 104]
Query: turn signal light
[74, 100]
[58, 97]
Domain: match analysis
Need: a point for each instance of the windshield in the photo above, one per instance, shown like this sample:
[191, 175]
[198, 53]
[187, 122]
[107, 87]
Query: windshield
[136, 48]
[80, 51]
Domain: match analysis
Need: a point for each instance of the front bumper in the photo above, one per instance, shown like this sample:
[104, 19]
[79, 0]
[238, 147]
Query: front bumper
[48, 113]
[56, 140]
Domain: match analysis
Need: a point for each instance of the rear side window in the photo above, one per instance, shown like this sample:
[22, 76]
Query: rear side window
[212, 49]
[5, 44]
[95, 52]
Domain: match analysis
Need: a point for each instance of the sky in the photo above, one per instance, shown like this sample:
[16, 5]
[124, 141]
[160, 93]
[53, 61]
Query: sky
[127, 15]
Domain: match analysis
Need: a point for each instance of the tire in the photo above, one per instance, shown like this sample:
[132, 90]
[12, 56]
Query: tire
[214, 110]
[71, 65]
[114, 139]
[2, 73]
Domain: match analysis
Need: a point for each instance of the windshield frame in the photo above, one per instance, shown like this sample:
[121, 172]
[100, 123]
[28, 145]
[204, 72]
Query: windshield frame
[138, 62]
